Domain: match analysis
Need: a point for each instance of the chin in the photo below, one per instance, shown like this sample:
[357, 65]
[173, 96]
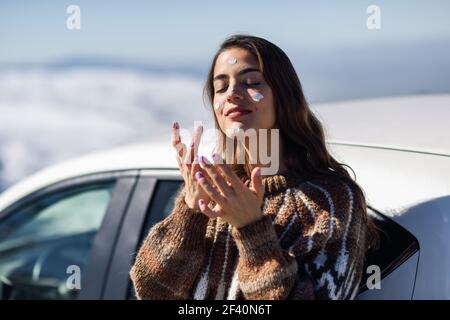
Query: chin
[243, 125]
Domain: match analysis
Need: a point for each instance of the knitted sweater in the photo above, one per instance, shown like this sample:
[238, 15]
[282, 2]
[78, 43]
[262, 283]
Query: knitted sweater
[309, 244]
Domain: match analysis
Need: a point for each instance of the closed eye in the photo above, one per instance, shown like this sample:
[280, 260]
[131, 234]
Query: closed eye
[255, 84]
[248, 84]
[221, 90]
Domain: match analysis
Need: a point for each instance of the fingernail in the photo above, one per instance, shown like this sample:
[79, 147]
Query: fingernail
[200, 128]
[201, 202]
[201, 161]
[215, 157]
[199, 175]
[175, 125]
[258, 172]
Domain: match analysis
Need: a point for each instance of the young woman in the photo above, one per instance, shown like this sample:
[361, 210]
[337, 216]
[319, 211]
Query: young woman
[234, 233]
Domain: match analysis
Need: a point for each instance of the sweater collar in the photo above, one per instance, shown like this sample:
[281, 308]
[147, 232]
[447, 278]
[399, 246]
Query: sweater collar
[280, 182]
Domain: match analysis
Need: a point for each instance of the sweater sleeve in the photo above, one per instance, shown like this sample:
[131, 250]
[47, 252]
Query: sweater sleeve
[172, 255]
[323, 259]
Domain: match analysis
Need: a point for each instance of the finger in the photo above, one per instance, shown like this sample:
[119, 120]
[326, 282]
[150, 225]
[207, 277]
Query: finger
[181, 151]
[197, 137]
[257, 184]
[226, 169]
[209, 189]
[185, 171]
[189, 158]
[193, 149]
[194, 168]
[215, 176]
[180, 163]
[176, 140]
[206, 210]
[175, 134]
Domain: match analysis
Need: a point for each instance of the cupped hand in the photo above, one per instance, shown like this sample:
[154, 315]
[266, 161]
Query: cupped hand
[236, 203]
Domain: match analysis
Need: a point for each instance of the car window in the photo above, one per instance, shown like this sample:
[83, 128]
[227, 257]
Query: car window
[161, 207]
[395, 247]
[46, 242]
[162, 204]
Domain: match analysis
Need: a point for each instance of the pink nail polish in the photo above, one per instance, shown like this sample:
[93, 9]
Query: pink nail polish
[199, 175]
[217, 159]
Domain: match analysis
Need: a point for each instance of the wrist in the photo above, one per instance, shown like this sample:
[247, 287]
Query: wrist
[257, 240]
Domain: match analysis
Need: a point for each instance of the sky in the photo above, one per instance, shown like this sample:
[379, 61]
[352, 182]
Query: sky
[179, 32]
[135, 66]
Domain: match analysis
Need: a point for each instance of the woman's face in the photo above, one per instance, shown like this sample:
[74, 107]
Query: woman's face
[242, 98]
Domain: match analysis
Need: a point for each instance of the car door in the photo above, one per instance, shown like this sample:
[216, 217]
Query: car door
[152, 201]
[57, 242]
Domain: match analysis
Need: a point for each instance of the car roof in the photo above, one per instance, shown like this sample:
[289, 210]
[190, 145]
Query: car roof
[129, 157]
[367, 123]
[416, 123]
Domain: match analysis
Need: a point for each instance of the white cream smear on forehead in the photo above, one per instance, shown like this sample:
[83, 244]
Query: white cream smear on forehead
[232, 60]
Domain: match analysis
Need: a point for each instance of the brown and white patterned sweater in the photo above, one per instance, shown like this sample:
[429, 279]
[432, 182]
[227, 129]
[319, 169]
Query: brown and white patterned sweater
[310, 244]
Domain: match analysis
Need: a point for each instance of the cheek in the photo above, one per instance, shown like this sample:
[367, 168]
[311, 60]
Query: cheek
[265, 105]
[218, 105]
[256, 95]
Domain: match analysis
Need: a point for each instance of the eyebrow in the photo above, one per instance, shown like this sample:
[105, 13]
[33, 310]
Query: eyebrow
[243, 71]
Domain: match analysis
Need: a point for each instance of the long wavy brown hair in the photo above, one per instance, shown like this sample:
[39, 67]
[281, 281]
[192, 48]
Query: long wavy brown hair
[302, 134]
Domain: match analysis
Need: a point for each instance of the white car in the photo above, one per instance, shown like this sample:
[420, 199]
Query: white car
[71, 231]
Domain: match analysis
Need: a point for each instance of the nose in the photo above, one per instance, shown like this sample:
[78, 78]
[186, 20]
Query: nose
[234, 94]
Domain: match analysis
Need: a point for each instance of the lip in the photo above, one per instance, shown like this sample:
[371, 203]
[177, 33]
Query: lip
[237, 111]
